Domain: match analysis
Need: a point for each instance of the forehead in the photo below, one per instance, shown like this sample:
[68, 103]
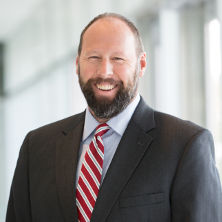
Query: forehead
[111, 32]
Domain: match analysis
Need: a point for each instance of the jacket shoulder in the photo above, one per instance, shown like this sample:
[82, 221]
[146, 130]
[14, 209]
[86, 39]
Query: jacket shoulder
[176, 127]
[61, 126]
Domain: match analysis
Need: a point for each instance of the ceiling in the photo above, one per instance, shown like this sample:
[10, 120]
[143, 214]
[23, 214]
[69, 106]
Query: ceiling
[14, 12]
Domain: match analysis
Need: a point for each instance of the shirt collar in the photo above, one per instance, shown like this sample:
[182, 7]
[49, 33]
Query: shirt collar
[118, 123]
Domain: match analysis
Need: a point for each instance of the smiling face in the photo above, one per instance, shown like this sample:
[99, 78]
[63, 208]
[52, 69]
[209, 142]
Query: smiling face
[109, 67]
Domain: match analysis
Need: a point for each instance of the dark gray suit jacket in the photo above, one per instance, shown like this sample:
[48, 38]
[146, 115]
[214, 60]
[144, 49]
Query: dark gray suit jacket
[163, 170]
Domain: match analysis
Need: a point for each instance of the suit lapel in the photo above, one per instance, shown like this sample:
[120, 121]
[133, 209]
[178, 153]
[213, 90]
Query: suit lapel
[133, 145]
[67, 148]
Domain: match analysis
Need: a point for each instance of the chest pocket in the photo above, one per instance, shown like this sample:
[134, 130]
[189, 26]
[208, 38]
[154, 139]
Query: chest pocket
[141, 200]
[143, 208]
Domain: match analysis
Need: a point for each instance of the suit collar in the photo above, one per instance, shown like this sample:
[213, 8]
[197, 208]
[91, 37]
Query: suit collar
[67, 148]
[143, 116]
[73, 122]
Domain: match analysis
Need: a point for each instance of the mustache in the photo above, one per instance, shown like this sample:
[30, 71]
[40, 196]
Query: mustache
[100, 80]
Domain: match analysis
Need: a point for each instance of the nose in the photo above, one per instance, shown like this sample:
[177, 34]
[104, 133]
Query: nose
[105, 68]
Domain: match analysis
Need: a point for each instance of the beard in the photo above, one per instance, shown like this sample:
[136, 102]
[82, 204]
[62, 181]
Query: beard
[104, 108]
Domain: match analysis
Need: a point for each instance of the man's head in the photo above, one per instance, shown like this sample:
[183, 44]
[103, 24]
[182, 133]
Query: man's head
[109, 63]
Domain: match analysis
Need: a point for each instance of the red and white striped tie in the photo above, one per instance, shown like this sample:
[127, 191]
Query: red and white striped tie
[90, 175]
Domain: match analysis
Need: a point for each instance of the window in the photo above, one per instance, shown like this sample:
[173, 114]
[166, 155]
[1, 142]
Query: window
[213, 81]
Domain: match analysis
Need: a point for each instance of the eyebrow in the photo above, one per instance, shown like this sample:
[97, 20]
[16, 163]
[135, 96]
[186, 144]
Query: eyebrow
[118, 53]
[90, 52]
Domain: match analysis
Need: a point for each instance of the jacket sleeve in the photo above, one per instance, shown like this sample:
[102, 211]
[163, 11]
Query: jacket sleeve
[196, 193]
[19, 200]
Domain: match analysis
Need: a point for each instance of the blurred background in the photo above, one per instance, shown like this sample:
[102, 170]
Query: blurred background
[38, 46]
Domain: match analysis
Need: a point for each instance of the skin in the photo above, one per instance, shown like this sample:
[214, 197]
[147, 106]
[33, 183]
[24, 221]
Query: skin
[109, 51]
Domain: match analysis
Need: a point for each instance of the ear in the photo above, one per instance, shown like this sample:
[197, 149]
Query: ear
[142, 64]
[77, 65]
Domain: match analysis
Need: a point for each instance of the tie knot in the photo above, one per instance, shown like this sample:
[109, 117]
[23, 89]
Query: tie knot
[101, 129]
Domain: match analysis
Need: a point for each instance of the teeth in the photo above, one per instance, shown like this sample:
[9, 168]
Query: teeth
[105, 87]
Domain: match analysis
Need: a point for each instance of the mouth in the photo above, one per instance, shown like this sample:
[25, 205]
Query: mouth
[105, 86]
[105, 89]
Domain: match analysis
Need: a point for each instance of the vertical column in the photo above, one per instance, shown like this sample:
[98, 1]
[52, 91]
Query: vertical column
[2, 143]
[1, 69]
[167, 76]
[219, 14]
[192, 63]
[147, 26]
[218, 136]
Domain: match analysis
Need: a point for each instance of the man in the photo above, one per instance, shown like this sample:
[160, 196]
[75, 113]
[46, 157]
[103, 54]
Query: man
[119, 160]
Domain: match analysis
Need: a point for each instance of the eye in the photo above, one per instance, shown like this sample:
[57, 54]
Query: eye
[93, 57]
[118, 59]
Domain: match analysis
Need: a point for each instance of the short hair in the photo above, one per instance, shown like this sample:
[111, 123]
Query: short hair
[139, 43]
